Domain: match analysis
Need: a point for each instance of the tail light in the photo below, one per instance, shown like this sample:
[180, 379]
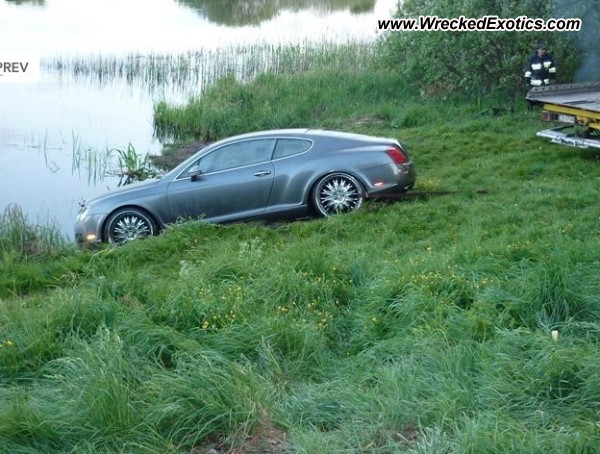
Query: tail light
[549, 116]
[397, 154]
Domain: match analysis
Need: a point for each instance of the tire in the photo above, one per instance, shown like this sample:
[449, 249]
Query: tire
[336, 193]
[128, 224]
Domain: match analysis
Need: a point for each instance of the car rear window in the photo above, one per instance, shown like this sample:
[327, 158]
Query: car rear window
[290, 147]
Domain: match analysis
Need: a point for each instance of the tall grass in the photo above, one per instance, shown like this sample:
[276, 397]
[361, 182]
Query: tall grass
[95, 163]
[180, 76]
[327, 98]
[21, 238]
[417, 326]
[126, 164]
[33, 256]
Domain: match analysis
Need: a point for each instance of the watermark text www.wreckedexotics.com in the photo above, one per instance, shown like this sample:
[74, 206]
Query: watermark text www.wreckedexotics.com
[484, 23]
[19, 68]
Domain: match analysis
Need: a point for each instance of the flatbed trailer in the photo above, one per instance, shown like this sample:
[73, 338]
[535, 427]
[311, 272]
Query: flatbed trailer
[575, 107]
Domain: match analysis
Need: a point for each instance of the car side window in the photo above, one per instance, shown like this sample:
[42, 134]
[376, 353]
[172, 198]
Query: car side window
[290, 147]
[237, 155]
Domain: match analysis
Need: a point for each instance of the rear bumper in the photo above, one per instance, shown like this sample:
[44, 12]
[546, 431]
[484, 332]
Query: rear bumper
[402, 179]
[556, 135]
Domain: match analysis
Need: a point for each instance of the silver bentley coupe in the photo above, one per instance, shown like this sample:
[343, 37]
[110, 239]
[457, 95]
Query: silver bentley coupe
[280, 174]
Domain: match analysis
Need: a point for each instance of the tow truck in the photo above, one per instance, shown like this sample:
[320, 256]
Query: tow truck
[575, 108]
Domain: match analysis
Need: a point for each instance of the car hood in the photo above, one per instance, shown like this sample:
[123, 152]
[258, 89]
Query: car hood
[128, 192]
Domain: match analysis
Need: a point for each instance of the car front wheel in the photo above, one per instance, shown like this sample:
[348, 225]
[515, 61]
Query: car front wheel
[337, 193]
[129, 224]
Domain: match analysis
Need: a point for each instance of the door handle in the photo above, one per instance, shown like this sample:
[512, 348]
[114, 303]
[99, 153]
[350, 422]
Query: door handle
[262, 173]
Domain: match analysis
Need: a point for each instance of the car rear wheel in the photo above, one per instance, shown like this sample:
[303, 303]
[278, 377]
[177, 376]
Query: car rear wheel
[129, 224]
[337, 193]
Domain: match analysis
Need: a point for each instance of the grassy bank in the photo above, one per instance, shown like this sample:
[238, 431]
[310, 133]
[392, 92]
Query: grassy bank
[418, 326]
[328, 98]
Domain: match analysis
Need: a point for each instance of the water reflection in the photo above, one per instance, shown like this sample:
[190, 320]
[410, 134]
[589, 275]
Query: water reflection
[27, 2]
[242, 12]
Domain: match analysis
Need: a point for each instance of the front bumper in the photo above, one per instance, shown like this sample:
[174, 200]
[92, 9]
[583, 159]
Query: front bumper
[88, 228]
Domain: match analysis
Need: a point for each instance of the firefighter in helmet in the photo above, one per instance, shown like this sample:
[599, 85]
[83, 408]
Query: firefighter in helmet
[540, 69]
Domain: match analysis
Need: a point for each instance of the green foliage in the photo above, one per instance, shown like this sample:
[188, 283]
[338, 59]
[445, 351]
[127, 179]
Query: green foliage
[417, 326]
[20, 238]
[133, 166]
[477, 63]
[314, 93]
[32, 257]
[312, 99]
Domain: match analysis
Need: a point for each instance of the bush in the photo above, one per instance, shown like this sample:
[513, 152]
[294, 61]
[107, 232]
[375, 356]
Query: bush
[476, 62]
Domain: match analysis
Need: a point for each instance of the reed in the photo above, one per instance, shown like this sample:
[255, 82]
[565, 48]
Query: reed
[133, 166]
[179, 76]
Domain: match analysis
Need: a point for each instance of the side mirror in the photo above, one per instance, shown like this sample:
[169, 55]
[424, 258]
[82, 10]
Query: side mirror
[194, 173]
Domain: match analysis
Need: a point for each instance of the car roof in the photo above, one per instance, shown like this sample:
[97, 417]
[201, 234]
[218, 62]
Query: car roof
[273, 132]
[309, 133]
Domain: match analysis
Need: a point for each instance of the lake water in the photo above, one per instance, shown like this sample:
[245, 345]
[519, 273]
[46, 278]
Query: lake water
[56, 134]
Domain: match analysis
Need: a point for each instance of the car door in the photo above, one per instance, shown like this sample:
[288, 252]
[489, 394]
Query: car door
[234, 182]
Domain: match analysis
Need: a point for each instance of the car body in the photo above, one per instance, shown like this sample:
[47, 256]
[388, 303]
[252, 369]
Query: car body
[279, 174]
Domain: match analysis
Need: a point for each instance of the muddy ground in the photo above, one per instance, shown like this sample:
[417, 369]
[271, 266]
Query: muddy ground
[176, 154]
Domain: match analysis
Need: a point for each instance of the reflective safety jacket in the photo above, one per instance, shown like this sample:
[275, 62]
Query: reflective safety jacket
[540, 70]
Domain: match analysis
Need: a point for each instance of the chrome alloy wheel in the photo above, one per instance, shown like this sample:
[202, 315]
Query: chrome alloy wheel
[129, 224]
[337, 193]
